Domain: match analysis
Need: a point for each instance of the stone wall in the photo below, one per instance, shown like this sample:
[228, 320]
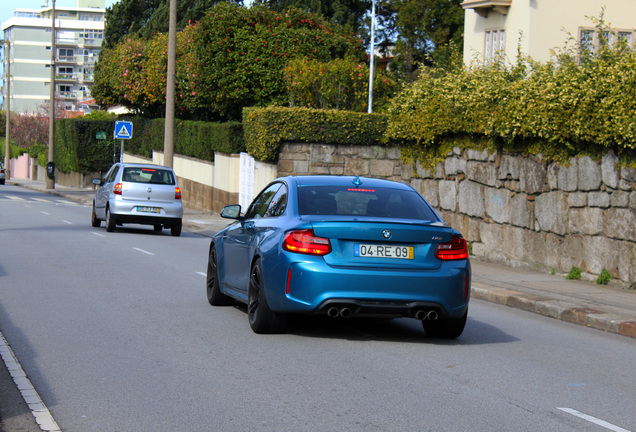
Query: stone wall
[512, 209]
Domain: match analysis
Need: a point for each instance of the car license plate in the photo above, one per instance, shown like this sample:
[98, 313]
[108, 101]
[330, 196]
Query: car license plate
[148, 209]
[384, 251]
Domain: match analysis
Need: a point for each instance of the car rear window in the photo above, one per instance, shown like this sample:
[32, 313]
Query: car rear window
[148, 175]
[372, 202]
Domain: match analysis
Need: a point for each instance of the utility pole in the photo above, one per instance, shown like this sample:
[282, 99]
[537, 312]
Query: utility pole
[168, 143]
[371, 58]
[7, 113]
[50, 179]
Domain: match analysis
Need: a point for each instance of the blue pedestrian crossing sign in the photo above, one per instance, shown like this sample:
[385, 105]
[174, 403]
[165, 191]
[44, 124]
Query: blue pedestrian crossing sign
[123, 130]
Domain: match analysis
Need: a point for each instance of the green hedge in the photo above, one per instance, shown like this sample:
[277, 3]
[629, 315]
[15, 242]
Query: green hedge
[77, 148]
[559, 109]
[266, 128]
[196, 139]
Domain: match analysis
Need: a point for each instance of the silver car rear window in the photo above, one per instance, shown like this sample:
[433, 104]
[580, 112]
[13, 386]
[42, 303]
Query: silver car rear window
[148, 175]
[373, 202]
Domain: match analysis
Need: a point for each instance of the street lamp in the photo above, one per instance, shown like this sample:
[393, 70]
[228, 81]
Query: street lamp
[7, 113]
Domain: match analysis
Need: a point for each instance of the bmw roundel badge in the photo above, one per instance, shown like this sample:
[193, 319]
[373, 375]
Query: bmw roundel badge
[386, 234]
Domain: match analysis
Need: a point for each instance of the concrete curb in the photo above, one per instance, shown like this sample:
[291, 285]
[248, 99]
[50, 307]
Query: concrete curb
[557, 309]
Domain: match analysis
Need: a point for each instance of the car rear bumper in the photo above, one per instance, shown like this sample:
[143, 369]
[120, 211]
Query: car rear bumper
[314, 287]
[126, 211]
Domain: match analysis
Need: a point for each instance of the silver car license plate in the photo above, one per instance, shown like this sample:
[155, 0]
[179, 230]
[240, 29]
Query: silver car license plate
[148, 209]
[384, 251]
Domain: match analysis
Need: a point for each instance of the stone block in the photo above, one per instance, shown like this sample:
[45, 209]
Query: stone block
[625, 185]
[324, 154]
[448, 195]
[598, 199]
[632, 200]
[482, 172]
[509, 168]
[568, 177]
[470, 199]
[381, 168]
[553, 175]
[551, 212]
[577, 199]
[351, 150]
[423, 172]
[439, 171]
[533, 176]
[620, 223]
[497, 204]
[285, 167]
[628, 174]
[301, 167]
[428, 189]
[619, 199]
[477, 155]
[392, 153]
[590, 174]
[588, 221]
[521, 211]
[603, 253]
[609, 170]
[454, 166]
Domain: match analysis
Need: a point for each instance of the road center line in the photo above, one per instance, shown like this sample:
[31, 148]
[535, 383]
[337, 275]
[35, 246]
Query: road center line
[143, 251]
[202, 274]
[41, 413]
[43, 212]
[594, 420]
[67, 222]
[98, 234]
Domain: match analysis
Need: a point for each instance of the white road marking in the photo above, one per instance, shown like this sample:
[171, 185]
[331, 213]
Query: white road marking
[67, 222]
[66, 203]
[202, 274]
[98, 234]
[143, 251]
[15, 198]
[41, 200]
[43, 212]
[41, 413]
[594, 420]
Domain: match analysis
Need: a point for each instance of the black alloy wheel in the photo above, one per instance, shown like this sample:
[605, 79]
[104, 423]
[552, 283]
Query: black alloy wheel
[215, 296]
[110, 221]
[261, 318]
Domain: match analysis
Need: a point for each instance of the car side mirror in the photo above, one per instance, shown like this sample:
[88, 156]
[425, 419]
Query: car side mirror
[231, 211]
[97, 182]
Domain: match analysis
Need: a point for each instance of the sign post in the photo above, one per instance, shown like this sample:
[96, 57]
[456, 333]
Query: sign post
[123, 130]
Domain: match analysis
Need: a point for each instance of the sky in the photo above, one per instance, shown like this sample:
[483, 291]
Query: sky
[7, 7]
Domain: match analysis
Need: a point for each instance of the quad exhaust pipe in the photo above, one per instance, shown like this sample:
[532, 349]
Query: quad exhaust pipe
[423, 315]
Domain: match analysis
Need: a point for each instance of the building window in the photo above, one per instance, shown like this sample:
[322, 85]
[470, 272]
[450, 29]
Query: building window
[495, 46]
[590, 40]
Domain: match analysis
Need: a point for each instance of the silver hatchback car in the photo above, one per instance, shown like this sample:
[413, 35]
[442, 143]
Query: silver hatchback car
[138, 193]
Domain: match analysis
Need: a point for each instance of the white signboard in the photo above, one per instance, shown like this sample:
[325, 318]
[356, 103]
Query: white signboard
[246, 181]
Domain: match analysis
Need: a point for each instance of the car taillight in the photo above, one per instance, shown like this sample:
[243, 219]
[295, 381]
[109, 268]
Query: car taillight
[177, 193]
[117, 189]
[1, 171]
[456, 249]
[306, 242]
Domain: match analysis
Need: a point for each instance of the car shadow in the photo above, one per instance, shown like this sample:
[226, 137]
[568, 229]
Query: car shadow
[401, 330]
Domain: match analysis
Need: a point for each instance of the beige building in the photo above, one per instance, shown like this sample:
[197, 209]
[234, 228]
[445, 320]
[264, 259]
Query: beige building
[495, 29]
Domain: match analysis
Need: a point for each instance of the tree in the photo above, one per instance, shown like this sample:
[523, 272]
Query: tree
[232, 58]
[146, 18]
[349, 13]
[420, 30]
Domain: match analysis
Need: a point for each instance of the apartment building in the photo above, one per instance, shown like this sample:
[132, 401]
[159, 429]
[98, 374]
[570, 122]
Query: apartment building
[494, 30]
[79, 35]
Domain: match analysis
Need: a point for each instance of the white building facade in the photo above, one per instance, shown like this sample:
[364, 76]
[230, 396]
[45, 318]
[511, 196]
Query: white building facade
[494, 30]
[79, 35]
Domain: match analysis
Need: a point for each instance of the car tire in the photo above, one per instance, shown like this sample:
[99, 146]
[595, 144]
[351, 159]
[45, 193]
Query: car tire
[175, 230]
[157, 227]
[95, 223]
[110, 221]
[215, 296]
[2, 182]
[261, 318]
[445, 328]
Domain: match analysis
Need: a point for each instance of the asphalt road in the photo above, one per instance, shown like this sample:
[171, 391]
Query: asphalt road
[115, 334]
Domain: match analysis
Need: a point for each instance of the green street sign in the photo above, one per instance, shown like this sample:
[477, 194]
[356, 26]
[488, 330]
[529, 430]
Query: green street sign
[100, 135]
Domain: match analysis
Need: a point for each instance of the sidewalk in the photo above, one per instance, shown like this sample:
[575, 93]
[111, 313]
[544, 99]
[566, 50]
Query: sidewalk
[604, 307]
